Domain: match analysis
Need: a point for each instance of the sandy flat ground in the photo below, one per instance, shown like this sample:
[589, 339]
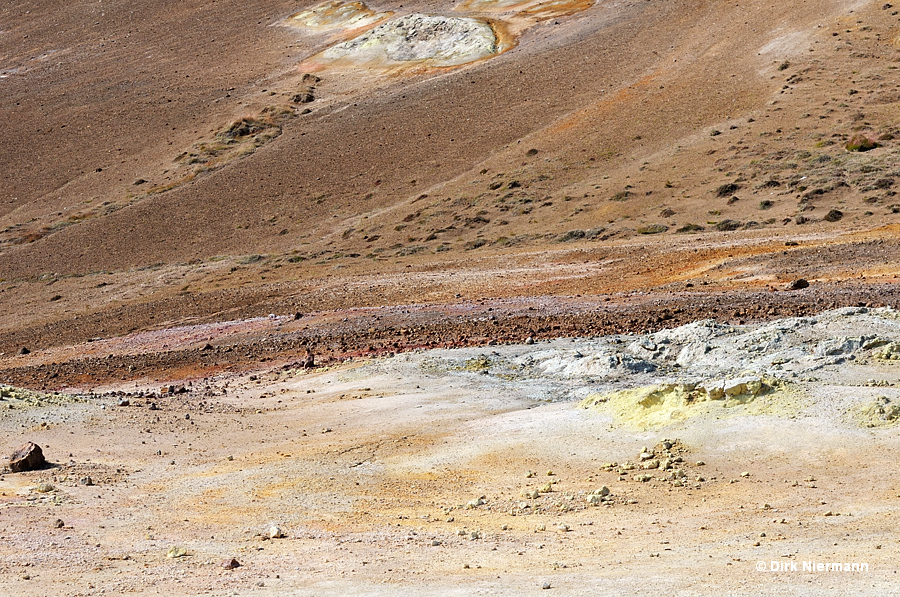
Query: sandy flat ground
[368, 468]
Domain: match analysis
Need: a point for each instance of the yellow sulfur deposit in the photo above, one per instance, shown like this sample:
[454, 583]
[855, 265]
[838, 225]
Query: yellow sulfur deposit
[664, 404]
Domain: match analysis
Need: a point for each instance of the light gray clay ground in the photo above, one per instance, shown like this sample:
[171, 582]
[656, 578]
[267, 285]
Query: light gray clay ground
[480, 471]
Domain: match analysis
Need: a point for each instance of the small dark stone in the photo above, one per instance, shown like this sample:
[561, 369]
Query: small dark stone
[833, 216]
[231, 564]
[298, 315]
[27, 458]
[798, 284]
[309, 361]
[139, 182]
[727, 189]
[207, 346]
[123, 402]
[24, 350]
[153, 406]
[58, 523]
[728, 225]
[303, 97]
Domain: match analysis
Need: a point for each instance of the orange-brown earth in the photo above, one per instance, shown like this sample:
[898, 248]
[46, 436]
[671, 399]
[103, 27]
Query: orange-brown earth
[565, 165]
[617, 167]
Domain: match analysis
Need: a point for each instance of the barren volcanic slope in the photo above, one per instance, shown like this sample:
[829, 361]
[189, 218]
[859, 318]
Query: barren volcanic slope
[230, 231]
[152, 151]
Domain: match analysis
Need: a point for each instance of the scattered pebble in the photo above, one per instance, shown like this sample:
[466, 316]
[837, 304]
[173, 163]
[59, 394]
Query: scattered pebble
[176, 552]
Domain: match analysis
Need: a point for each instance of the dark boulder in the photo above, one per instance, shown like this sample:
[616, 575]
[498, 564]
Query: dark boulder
[27, 458]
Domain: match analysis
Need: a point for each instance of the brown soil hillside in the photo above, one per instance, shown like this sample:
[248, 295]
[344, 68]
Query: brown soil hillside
[156, 154]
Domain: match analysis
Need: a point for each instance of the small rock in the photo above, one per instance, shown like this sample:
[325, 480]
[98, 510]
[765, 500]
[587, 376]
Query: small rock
[435, 542]
[471, 504]
[798, 284]
[24, 351]
[176, 552]
[304, 97]
[529, 340]
[29, 457]
[745, 474]
[44, 488]
[833, 216]
[275, 532]
[230, 564]
[123, 402]
[546, 586]
[87, 481]
[58, 523]
[602, 492]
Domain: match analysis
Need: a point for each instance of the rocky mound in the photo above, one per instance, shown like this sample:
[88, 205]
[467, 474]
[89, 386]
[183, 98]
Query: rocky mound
[442, 41]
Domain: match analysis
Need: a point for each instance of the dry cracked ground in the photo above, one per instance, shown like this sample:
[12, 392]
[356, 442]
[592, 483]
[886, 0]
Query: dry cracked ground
[496, 297]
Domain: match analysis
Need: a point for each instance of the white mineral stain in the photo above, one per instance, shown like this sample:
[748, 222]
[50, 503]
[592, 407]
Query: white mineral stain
[335, 15]
[435, 40]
